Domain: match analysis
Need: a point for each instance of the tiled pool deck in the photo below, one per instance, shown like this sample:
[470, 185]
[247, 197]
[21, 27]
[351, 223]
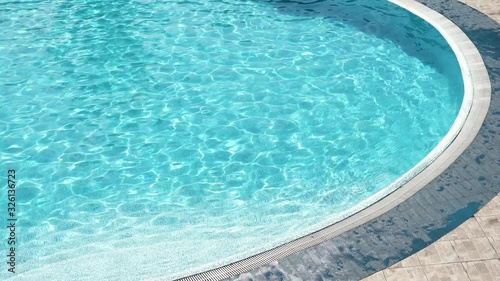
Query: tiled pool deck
[470, 252]
[422, 231]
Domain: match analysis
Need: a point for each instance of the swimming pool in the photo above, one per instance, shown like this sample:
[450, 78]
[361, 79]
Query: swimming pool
[177, 136]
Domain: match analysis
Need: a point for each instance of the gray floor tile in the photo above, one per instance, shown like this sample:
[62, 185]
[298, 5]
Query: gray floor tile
[406, 274]
[492, 208]
[495, 242]
[474, 249]
[289, 269]
[488, 270]
[490, 225]
[469, 229]
[438, 253]
[379, 276]
[274, 272]
[408, 262]
[446, 272]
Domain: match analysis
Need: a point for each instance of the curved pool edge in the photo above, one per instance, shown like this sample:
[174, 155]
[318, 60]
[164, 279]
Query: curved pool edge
[464, 130]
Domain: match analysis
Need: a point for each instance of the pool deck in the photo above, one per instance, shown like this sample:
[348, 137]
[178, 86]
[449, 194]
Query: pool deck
[470, 252]
[448, 230]
[491, 8]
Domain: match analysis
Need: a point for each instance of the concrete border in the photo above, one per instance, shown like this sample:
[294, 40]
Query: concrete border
[471, 116]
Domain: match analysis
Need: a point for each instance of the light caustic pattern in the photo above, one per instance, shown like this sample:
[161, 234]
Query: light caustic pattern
[159, 138]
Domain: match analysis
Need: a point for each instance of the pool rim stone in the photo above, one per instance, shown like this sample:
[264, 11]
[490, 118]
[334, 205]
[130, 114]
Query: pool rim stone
[477, 97]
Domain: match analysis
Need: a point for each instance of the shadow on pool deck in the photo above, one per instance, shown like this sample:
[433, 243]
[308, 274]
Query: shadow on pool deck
[449, 200]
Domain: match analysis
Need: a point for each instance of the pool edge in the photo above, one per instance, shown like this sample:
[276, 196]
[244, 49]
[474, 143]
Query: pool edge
[477, 87]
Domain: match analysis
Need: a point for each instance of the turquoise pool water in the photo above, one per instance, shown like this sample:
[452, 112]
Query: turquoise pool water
[161, 138]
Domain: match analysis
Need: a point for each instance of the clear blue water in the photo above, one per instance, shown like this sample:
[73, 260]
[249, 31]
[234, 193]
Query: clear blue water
[160, 138]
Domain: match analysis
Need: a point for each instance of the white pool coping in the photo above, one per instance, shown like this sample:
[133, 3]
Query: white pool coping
[476, 101]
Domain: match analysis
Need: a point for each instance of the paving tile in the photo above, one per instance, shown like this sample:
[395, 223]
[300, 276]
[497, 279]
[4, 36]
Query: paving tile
[274, 272]
[341, 251]
[469, 188]
[428, 212]
[314, 256]
[363, 255]
[488, 270]
[406, 274]
[492, 208]
[446, 272]
[325, 256]
[445, 191]
[433, 196]
[306, 260]
[490, 225]
[495, 242]
[409, 215]
[302, 267]
[363, 247]
[474, 249]
[477, 197]
[487, 7]
[258, 276]
[469, 229]
[452, 180]
[243, 277]
[490, 185]
[379, 276]
[476, 163]
[331, 257]
[289, 270]
[438, 253]
[408, 262]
